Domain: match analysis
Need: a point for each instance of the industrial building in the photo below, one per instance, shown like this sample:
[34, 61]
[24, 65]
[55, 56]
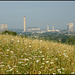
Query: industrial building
[33, 29]
[52, 29]
[70, 28]
[3, 27]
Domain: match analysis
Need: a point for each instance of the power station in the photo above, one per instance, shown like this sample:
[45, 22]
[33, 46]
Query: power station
[38, 30]
[70, 29]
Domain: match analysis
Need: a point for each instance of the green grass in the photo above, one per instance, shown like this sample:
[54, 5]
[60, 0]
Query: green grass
[27, 56]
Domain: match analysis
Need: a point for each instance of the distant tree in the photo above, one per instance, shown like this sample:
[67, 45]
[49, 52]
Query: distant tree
[9, 32]
[23, 36]
[71, 41]
[64, 38]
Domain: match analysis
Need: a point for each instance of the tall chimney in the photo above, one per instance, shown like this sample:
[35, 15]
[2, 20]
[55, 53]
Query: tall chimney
[24, 25]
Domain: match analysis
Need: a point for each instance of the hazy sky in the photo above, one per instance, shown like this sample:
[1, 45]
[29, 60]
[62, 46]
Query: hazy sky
[38, 13]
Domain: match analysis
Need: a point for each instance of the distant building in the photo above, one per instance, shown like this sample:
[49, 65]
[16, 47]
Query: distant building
[41, 31]
[52, 29]
[47, 28]
[70, 27]
[33, 29]
[3, 27]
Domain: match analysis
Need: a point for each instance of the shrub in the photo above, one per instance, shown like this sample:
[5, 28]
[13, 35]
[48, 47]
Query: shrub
[71, 41]
[9, 32]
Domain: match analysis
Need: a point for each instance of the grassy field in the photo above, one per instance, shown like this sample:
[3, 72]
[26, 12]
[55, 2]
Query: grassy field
[27, 56]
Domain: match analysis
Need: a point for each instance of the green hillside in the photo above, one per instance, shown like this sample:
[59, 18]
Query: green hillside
[27, 56]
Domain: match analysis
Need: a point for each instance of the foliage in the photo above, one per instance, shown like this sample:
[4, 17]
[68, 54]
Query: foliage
[60, 38]
[9, 32]
[23, 36]
[71, 41]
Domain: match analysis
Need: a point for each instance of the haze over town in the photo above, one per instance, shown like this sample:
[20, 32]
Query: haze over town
[37, 13]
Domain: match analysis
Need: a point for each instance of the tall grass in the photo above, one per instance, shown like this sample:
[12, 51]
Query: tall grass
[27, 56]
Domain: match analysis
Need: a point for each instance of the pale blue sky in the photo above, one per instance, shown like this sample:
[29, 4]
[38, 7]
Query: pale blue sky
[38, 13]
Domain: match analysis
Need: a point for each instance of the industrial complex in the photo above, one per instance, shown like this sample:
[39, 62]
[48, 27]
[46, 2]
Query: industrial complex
[38, 30]
[70, 28]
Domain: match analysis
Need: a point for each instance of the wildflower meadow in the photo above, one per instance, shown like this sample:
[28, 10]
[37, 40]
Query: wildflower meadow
[32, 56]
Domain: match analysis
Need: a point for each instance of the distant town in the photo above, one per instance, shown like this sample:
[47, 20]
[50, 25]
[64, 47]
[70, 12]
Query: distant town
[70, 29]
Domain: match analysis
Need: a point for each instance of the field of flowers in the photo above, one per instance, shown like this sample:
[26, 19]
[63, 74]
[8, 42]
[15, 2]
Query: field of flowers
[27, 56]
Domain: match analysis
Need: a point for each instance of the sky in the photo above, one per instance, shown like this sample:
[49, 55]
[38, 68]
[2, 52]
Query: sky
[37, 13]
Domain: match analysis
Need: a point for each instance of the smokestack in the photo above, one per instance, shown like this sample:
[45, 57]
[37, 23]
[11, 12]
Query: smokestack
[24, 25]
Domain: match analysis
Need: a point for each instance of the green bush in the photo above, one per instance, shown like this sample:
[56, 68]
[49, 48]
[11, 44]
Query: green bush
[23, 36]
[9, 32]
[71, 41]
